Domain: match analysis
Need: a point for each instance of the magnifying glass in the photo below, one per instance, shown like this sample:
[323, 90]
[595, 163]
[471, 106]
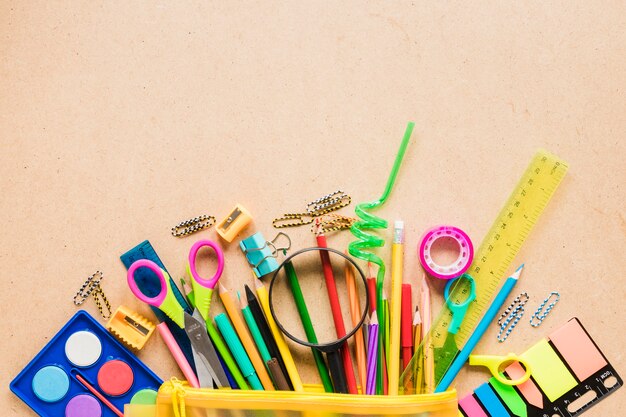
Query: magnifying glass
[300, 306]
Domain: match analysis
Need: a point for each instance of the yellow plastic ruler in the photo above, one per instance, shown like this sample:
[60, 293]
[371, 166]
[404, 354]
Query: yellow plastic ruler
[490, 264]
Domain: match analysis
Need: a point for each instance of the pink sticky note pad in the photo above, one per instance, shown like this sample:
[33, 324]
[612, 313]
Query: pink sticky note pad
[578, 350]
[471, 407]
[529, 390]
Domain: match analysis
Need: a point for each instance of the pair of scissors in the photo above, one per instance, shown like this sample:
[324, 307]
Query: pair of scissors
[459, 309]
[497, 364]
[445, 353]
[208, 366]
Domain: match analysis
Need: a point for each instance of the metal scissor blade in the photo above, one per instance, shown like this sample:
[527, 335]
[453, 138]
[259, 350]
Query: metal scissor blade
[202, 372]
[202, 346]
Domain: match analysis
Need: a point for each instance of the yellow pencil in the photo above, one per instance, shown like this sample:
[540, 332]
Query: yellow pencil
[396, 304]
[261, 293]
[417, 334]
[246, 339]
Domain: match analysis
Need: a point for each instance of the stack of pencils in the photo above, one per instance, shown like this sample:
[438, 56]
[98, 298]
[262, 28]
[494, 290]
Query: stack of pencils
[382, 348]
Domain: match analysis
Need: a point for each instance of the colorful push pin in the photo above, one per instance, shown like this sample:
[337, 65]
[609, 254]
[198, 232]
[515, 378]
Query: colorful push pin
[238, 219]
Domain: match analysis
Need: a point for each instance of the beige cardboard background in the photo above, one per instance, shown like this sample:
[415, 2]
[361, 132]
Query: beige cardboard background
[119, 120]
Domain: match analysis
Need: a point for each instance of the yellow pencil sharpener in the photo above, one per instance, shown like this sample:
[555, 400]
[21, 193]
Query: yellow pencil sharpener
[238, 219]
[130, 328]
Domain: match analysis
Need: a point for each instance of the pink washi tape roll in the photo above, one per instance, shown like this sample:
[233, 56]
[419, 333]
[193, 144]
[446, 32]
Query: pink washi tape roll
[456, 268]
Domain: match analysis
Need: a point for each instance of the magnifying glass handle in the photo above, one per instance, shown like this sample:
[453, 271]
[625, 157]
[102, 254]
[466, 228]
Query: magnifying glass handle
[335, 365]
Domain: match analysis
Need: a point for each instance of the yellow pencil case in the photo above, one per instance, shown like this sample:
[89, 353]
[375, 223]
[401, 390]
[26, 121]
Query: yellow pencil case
[177, 399]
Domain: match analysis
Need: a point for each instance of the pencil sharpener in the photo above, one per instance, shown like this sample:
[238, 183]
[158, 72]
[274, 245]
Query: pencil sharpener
[238, 219]
[130, 327]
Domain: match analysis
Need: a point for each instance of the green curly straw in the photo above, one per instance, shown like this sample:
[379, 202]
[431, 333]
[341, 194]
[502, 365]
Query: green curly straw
[369, 241]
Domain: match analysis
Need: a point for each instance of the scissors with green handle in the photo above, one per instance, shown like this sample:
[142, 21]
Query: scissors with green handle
[459, 309]
[446, 349]
[208, 366]
[202, 287]
[497, 364]
[463, 354]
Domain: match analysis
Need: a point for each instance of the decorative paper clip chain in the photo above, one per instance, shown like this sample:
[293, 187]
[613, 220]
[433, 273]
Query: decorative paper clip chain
[316, 208]
[332, 223]
[190, 226]
[512, 315]
[540, 315]
[329, 200]
[92, 287]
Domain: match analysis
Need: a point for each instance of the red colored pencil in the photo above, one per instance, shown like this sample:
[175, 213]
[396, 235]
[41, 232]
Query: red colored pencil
[335, 307]
[371, 287]
[406, 331]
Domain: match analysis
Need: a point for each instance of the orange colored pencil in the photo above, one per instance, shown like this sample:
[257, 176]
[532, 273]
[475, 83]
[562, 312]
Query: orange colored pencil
[237, 320]
[355, 313]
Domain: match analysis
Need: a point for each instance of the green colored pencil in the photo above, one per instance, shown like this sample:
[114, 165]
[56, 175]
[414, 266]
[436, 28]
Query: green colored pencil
[308, 325]
[254, 329]
[387, 325]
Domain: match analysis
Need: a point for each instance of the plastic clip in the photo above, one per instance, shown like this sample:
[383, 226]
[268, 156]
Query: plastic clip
[261, 253]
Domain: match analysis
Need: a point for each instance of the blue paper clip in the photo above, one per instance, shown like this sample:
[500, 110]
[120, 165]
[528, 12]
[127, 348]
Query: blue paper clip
[261, 253]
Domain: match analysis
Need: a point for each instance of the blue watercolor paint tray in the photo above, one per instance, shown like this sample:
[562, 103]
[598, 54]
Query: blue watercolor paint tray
[54, 354]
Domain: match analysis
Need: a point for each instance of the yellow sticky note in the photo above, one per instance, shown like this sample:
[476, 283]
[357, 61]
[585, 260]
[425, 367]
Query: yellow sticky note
[548, 370]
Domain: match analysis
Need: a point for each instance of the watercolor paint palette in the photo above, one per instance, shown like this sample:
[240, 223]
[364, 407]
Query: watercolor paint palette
[569, 375]
[83, 348]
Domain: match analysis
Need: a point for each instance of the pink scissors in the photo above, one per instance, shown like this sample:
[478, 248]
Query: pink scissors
[165, 300]
[194, 325]
[203, 288]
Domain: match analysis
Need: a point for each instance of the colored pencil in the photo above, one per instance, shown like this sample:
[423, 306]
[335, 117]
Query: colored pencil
[355, 314]
[417, 336]
[305, 318]
[381, 370]
[386, 331]
[417, 328]
[335, 306]
[385, 345]
[279, 378]
[177, 354]
[381, 363]
[292, 371]
[372, 354]
[395, 316]
[407, 325]
[101, 397]
[238, 350]
[429, 358]
[371, 287]
[366, 333]
[244, 336]
[254, 329]
[266, 332]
